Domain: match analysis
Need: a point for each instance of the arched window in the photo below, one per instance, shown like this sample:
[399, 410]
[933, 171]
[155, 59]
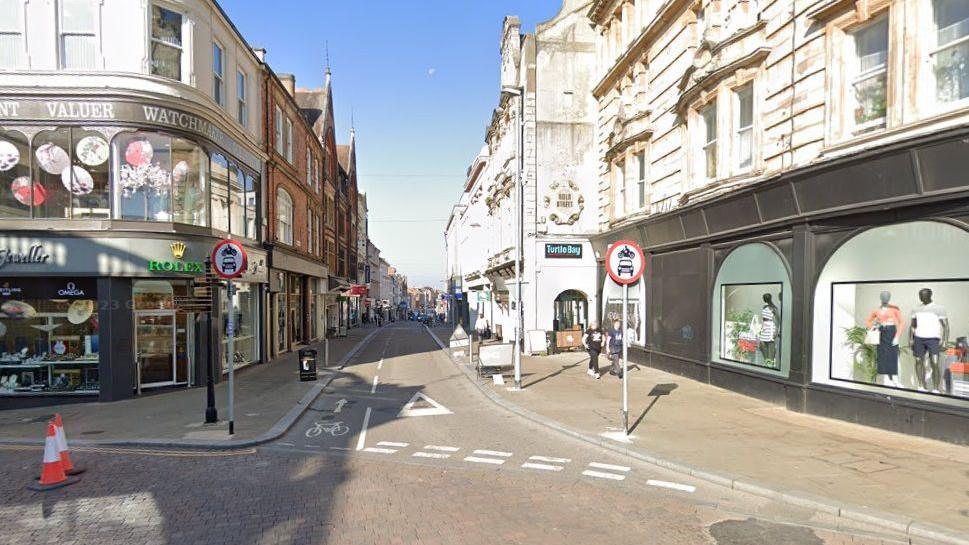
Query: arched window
[284, 217]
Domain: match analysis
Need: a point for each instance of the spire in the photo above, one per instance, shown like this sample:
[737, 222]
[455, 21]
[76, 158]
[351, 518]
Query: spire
[326, 48]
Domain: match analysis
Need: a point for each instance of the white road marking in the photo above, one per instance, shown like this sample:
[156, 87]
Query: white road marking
[380, 450]
[545, 467]
[493, 453]
[477, 460]
[311, 446]
[287, 444]
[547, 459]
[362, 440]
[380, 364]
[601, 475]
[423, 454]
[444, 449]
[373, 389]
[435, 409]
[339, 448]
[597, 465]
[674, 486]
[392, 444]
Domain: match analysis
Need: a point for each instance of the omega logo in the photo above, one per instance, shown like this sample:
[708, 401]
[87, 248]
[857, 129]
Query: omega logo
[71, 290]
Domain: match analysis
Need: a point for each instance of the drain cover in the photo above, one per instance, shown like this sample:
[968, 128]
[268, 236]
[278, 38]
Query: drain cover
[92, 432]
[758, 532]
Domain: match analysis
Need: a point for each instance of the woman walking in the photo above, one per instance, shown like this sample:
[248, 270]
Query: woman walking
[614, 340]
[592, 340]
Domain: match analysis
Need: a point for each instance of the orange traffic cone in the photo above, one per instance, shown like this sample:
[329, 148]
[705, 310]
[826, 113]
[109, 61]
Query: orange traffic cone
[65, 454]
[52, 475]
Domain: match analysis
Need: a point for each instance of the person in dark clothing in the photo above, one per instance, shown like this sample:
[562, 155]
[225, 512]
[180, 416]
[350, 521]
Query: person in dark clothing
[614, 340]
[592, 340]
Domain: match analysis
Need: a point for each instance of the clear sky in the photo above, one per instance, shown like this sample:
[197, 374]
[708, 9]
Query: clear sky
[420, 78]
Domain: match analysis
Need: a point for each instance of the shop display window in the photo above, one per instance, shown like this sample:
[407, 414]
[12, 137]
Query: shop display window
[750, 323]
[245, 308]
[908, 335]
[612, 309]
[15, 183]
[48, 344]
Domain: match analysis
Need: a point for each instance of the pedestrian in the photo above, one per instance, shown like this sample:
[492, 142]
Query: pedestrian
[614, 340]
[592, 340]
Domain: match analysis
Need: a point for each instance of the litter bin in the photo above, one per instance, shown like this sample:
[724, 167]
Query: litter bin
[307, 364]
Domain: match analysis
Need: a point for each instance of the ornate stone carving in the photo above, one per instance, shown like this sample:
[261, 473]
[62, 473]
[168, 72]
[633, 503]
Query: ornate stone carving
[565, 202]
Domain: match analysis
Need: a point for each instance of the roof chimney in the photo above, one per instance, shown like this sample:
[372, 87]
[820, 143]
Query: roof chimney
[289, 83]
[260, 53]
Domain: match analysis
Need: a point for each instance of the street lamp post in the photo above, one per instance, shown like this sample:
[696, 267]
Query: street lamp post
[519, 232]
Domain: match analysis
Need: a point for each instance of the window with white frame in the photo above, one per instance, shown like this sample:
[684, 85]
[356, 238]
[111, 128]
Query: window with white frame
[278, 129]
[289, 140]
[166, 43]
[744, 126]
[78, 34]
[950, 57]
[241, 102]
[631, 182]
[316, 174]
[309, 167]
[641, 180]
[218, 74]
[708, 132]
[310, 241]
[284, 217]
[619, 204]
[868, 76]
[11, 34]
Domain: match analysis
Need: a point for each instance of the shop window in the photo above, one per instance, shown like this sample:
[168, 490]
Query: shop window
[78, 34]
[899, 325]
[751, 309]
[218, 74]
[190, 168]
[868, 76]
[245, 309]
[612, 309]
[52, 167]
[571, 311]
[950, 58]
[166, 43]
[12, 46]
[48, 336]
[281, 345]
[220, 193]
[284, 217]
[237, 202]
[18, 201]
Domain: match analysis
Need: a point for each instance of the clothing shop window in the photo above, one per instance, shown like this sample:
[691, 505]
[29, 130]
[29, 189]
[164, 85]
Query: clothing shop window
[278, 130]
[218, 74]
[612, 294]
[78, 34]
[708, 131]
[950, 57]
[284, 217]
[641, 180]
[242, 105]
[12, 45]
[166, 43]
[744, 98]
[867, 58]
[50, 336]
[220, 193]
[887, 324]
[751, 309]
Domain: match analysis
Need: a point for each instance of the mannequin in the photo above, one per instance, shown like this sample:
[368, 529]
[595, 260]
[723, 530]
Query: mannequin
[768, 329]
[930, 330]
[888, 319]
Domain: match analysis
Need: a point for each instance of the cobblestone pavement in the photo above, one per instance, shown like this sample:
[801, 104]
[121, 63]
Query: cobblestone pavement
[362, 482]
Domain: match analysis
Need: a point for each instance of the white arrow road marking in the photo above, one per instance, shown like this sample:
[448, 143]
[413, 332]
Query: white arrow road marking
[674, 486]
[362, 440]
[493, 453]
[601, 475]
[422, 454]
[545, 467]
[436, 409]
[547, 459]
[339, 406]
[477, 460]
[443, 449]
[392, 444]
[609, 466]
[380, 450]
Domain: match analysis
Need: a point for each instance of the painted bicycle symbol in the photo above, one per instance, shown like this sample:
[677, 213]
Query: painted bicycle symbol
[335, 429]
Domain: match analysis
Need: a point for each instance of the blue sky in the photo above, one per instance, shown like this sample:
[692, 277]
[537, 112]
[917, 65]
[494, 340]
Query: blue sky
[420, 78]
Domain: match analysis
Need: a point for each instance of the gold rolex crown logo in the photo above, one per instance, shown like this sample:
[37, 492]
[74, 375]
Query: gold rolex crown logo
[178, 249]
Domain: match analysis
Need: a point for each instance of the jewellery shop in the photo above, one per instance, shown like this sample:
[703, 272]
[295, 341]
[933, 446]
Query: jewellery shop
[138, 194]
[845, 300]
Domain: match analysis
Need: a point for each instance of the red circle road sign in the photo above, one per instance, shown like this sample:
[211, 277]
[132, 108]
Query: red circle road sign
[229, 259]
[625, 262]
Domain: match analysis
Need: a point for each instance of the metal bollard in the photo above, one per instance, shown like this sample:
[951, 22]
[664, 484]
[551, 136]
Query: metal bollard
[326, 353]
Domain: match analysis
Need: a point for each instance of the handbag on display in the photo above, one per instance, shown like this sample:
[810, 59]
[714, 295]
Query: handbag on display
[873, 336]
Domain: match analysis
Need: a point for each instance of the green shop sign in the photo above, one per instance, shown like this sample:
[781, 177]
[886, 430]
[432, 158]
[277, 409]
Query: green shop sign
[192, 267]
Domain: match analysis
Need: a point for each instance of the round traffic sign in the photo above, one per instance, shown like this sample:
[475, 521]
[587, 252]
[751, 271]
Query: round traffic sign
[229, 259]
[625, 262]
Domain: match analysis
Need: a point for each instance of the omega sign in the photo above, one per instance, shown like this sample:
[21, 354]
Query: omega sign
[70, 291]
[34, 256]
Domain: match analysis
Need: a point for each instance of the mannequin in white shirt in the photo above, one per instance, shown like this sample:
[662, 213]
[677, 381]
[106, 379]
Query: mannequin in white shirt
[929, 333]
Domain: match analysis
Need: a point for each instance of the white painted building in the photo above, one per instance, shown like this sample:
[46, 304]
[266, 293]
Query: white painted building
[546, 94]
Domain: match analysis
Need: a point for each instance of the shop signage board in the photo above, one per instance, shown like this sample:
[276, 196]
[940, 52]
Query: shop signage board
[563, 251]
[35, 255]
[625, 264]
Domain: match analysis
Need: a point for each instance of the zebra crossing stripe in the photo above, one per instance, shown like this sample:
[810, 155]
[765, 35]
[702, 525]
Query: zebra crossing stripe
[493, 453]
[438, 455]
[601, 475]
[544, 467]
[597, 465]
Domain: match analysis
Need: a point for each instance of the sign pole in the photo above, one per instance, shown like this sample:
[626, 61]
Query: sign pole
[211, 413]
[231, 357]
[625, 362]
